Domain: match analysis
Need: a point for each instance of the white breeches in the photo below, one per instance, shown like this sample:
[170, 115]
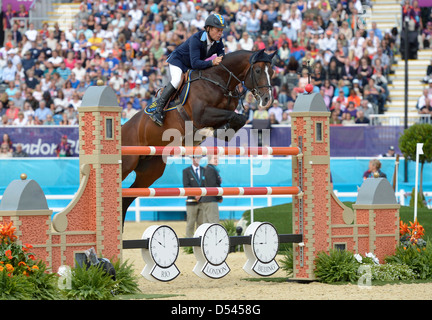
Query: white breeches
[176, 74]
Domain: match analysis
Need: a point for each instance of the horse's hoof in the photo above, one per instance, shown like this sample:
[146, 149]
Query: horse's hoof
[206, 132]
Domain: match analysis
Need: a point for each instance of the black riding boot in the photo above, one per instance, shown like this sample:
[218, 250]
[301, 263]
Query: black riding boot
[158, 115]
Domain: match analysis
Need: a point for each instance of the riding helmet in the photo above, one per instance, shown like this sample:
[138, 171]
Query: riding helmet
[215, 20]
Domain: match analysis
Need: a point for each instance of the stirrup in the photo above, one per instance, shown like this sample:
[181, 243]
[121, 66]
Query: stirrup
[157, 118]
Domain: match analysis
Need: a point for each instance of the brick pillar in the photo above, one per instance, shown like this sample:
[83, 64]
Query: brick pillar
[311, 211]
[93, 218]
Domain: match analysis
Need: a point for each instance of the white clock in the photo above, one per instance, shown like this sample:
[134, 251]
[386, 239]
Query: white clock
[262, 250]
[212, 252]
[161, 254]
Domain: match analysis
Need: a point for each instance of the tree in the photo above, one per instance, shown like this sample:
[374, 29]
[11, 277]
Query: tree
[418, 133]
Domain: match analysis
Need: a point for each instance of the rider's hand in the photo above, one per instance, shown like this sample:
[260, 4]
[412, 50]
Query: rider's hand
[216, 61]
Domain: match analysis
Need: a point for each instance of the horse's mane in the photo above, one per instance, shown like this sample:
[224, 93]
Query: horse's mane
[234, 57]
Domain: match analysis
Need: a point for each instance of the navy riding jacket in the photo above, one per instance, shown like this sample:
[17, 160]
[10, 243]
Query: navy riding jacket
[192, 53]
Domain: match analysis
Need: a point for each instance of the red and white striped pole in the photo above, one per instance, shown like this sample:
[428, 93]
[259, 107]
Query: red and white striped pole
[189, 151]
[211, 191]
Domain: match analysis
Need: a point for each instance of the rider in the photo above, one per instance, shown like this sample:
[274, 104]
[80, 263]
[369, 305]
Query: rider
[192, 54]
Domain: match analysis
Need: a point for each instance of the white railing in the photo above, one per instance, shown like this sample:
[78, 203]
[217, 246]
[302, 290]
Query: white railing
[398, 119]
[137, 208]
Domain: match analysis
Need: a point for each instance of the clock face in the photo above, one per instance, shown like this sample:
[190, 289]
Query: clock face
[215, 244]
[164, 246]
[265, 242]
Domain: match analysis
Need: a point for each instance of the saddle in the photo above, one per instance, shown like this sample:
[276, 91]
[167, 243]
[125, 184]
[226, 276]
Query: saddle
[177, 99]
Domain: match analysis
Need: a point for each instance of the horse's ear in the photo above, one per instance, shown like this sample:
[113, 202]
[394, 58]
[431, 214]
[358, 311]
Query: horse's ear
[273, 54]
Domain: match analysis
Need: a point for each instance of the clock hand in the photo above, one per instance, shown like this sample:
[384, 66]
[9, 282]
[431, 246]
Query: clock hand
[160, 243]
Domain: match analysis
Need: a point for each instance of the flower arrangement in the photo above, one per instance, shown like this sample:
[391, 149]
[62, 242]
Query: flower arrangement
[14, 258]
[369, 258]
[412, 235]
[22, 278]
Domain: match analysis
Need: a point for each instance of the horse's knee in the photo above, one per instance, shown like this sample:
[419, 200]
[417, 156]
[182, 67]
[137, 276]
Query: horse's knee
[237, 121]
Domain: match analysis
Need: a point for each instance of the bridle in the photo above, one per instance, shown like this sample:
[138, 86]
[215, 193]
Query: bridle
[255, 89]
[235, 93]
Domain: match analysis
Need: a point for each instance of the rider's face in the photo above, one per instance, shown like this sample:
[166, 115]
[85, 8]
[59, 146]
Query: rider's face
[215, 33]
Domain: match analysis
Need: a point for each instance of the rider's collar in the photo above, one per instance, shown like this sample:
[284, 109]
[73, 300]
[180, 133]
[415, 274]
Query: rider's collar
[204, 37]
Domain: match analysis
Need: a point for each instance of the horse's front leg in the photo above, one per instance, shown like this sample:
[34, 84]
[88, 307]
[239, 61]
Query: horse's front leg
[228, 130]
[221, 123]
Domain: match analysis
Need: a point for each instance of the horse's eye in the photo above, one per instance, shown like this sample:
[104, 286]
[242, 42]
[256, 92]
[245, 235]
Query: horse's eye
[258, 71]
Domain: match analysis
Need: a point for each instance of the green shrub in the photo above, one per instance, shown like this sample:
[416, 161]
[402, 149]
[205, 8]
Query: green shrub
[91, 283]
[418, 259]
[45, 284]
[287, 262]
[338, 266]
[127, 281]
[14, 287]
[390, 272]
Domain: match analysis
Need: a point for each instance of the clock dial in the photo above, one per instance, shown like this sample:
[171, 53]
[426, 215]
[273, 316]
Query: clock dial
[265, 242]
[164, 246]
[215, 244]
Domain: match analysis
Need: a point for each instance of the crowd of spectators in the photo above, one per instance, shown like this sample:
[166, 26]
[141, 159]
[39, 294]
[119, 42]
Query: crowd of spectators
[124, 44]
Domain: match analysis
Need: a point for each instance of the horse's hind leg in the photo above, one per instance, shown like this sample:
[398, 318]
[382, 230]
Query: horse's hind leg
[149, 169]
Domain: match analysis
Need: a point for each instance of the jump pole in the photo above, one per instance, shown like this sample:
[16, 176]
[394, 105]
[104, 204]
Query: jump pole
[210, 191]
[189, 151]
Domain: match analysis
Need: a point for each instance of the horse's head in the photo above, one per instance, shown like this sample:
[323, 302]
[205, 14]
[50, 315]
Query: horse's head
[259, 76]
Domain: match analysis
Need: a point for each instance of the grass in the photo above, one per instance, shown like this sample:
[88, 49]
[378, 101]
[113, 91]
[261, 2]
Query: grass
[281, 217]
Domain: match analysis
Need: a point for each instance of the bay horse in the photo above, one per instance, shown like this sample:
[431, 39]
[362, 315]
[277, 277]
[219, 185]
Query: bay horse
[212, 99]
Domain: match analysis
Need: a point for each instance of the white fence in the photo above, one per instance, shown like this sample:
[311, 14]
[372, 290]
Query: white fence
[398, 119]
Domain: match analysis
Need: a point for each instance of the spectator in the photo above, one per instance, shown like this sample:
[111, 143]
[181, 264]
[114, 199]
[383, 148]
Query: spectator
[426, 36]
[129, 110]
[5, 151]
[2, 110]
[56, 60]
[64, 149]
[246, 42]
[390, 152]
[334, 117]
[421, 102]
[375, 94]
[366, 107]
[6, 141]
[19, 152]
[247, 111]
[374, 170]
[265, 25]
[49, 121]
[42, 112]
[276, 110]
[9, 72]
[253, 25]
[354, 98]
[364, 71]
[428, 73]
[20, 120]
[12, 112]
[261, 113]
[290, 32]
[31, 80]
[426, 108]
[360, 118]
